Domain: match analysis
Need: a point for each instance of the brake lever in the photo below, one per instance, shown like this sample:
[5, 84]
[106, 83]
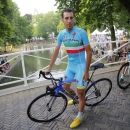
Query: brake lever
[40, 74]
[43, 74]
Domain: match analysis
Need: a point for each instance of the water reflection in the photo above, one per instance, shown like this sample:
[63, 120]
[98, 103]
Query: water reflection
[33, 64]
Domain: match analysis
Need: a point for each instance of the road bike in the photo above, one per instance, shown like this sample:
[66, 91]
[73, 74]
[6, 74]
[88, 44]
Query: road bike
[53, 102]
[123, 76]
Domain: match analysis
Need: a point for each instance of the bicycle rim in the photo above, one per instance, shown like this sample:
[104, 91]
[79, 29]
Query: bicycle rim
[98, 91]
[124, 82]
[47, 107]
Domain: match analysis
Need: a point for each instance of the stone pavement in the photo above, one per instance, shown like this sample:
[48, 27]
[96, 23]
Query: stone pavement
[112, 114]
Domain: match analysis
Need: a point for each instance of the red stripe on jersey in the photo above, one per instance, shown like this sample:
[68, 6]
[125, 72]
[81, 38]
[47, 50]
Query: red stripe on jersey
[75, 51]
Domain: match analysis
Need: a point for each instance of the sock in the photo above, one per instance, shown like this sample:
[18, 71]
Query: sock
[122, 76]
[80, 115]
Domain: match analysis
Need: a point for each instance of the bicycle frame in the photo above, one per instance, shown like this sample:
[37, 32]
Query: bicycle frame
[55, 97]
[59, 87]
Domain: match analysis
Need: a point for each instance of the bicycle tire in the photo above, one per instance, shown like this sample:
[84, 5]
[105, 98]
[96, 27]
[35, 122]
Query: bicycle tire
[38, 111]
[94, 97]
[126, 83]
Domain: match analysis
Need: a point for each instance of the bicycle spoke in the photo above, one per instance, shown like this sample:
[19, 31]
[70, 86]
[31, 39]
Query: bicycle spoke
[88, 96]
[98, 91]
[44, 108]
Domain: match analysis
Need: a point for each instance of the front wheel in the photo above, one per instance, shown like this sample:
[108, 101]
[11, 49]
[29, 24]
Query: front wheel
[47, 107]
[123, 76]
[97, 91]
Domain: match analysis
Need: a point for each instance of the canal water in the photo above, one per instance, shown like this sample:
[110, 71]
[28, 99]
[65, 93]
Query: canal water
[33, 64]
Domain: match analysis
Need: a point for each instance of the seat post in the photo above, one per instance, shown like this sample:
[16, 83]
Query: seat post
[92, 73]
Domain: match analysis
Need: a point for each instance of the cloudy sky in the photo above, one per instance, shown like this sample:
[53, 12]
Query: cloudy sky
[28, 6]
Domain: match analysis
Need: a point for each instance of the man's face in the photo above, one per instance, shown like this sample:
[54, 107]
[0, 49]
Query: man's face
[68, 20]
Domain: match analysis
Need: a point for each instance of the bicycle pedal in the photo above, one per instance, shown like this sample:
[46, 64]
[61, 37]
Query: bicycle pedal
[75, 102]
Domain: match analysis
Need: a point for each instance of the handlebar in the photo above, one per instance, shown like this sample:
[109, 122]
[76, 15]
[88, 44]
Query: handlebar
[51, 76]
[96, 66]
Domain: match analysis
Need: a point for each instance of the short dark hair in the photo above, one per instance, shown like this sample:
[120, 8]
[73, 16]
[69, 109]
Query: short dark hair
[66, 10]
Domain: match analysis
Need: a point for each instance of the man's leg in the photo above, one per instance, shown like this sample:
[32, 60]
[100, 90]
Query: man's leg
[81, 96]
[68, 89]
[79, 118]
[122, 74]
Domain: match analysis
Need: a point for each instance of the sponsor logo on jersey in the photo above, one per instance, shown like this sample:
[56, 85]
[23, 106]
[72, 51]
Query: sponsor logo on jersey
[73, 35]
[65, 37]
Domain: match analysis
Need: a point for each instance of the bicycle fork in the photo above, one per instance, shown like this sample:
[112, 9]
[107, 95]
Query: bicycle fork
[51, 102]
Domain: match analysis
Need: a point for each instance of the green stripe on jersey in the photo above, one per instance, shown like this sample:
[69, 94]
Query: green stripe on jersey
[72, 44]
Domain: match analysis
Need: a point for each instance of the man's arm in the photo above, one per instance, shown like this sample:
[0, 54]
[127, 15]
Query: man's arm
[88, 61]
[53, 58]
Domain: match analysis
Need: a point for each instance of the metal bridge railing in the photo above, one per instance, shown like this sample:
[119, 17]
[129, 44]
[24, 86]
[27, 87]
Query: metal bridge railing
[25, 78]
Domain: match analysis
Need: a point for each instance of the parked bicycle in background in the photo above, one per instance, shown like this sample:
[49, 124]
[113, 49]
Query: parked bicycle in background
[123, 76]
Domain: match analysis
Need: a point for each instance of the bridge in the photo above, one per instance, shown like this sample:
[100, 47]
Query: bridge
[112, 114]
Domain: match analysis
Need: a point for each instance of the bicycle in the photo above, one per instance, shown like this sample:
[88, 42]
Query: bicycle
[53, 102]
[123, 76]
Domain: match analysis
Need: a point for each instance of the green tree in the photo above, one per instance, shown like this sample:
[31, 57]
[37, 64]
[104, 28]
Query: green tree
[35, 20]
[5, 18]
[14, 29]
[94, 14]
[22, 31]
[28, 17]
[60, 26]
[48, 24]
[126, 4]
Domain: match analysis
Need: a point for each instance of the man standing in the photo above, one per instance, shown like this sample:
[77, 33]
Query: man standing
[76, 43]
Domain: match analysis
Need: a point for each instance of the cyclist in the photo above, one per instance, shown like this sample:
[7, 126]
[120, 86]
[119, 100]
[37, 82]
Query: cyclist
[123, 70]
[77, 44]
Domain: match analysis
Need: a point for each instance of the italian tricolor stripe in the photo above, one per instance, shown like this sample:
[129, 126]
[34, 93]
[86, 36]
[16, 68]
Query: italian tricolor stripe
[75, 51]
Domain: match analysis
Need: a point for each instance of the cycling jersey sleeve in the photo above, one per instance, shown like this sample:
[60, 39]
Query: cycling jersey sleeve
[85, 38]
[59, 40]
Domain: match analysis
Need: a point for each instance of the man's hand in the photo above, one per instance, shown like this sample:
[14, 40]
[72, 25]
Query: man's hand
[47, 72]
[85, 76]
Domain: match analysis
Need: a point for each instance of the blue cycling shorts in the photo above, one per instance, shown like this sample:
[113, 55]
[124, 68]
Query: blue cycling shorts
[75, 71]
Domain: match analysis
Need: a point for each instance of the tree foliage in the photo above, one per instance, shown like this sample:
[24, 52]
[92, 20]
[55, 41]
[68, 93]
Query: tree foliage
[60, 26]
[14, 28]
[97, 13]
[126, 4]
[5, 18]
[48, 24]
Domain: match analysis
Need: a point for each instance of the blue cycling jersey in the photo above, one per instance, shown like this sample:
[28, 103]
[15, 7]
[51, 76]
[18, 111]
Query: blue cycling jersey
[74, 41]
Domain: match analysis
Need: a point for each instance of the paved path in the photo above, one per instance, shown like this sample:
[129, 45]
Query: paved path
[112, 114]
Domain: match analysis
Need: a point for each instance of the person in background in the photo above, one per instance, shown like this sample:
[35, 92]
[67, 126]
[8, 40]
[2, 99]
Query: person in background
[7, 63]
[123, 69]
[2, 70]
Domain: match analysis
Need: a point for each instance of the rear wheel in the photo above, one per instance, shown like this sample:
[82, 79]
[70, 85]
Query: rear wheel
[98, 91]
[123, 76]
[47, 107]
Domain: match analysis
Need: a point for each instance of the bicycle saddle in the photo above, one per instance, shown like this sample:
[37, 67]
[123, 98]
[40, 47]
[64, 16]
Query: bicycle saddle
[96, 66]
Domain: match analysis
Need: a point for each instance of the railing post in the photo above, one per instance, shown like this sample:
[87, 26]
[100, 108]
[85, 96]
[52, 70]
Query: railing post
[23, 67]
